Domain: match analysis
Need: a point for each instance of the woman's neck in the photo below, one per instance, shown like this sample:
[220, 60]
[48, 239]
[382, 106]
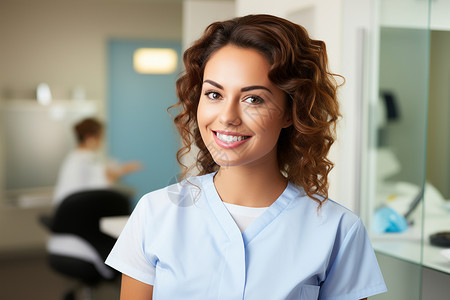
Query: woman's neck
[255, 186]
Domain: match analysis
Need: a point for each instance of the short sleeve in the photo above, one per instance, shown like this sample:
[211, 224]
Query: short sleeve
[128, 255]
[354, 273]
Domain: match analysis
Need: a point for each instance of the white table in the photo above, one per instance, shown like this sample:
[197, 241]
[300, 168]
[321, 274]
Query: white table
[113, 225]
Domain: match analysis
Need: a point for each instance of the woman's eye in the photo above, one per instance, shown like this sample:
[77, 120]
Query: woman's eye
[254, 100]
[213, 95]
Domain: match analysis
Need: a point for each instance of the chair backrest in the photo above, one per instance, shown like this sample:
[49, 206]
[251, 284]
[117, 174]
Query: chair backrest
[80, 214]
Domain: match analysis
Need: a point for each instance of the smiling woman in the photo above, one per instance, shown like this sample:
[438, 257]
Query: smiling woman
[259, 102]
[300, 70]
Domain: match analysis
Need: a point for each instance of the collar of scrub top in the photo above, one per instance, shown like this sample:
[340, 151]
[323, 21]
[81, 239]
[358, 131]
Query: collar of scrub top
[226, 220]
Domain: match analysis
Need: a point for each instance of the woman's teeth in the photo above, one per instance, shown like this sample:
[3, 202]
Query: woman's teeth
[230, 138]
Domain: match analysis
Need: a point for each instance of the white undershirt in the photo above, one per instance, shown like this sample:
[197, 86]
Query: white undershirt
[244, 215]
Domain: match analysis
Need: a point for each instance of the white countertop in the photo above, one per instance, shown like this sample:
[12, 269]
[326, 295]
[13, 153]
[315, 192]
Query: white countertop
[408, 245]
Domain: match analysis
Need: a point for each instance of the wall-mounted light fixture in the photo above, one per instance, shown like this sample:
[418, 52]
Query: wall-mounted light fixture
[155, 60]
[43, 94]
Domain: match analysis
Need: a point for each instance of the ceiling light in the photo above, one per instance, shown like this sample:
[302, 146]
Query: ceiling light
[155, 60]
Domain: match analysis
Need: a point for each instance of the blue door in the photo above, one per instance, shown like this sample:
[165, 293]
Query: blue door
[139, 127]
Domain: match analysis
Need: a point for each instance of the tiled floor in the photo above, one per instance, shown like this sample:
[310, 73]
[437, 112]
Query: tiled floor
[28, 277]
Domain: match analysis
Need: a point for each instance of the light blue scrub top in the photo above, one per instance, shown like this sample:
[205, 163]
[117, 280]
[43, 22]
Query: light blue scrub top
[184, 242]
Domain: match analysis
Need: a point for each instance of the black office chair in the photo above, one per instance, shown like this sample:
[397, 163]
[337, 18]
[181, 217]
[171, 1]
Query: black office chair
[76, 247]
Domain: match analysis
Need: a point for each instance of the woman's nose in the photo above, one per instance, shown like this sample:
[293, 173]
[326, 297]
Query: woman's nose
[230, 114]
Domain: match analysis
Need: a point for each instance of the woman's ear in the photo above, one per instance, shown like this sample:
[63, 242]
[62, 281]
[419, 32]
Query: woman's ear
[287, 112]
[287, 120]
[287, 124]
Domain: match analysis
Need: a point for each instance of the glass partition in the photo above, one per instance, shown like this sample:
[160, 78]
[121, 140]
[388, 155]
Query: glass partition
[395, 169]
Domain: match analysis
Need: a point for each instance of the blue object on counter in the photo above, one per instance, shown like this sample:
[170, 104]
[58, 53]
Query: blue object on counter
[386, 219]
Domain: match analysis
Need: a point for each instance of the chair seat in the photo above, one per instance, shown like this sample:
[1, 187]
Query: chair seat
[73, 246]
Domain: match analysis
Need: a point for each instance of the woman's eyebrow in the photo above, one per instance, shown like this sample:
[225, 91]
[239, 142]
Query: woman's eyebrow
[214, 84]
[244, 89]
[255, 87]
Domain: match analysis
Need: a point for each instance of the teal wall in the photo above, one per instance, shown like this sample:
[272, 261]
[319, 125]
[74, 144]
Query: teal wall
[139, 127]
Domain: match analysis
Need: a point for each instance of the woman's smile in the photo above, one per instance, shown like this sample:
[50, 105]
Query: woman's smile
[229, 140]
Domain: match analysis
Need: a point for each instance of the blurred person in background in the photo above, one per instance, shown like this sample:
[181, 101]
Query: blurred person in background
[83, 169]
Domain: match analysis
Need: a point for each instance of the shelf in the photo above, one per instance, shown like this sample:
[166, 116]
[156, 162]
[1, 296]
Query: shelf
[29, 198]
[89, 106]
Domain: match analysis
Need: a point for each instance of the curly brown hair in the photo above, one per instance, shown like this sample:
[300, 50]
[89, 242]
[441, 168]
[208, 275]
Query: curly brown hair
[299, 67]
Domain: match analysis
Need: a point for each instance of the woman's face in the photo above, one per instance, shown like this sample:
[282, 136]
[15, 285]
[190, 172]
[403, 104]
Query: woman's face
[240, 112]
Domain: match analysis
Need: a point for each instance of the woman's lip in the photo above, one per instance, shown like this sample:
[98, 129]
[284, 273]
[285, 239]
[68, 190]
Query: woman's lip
[229, 145]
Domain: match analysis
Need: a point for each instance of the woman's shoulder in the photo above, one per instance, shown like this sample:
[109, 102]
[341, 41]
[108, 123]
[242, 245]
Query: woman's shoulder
[332, 219]
[330, 212]
[332, 207]
[346, 218]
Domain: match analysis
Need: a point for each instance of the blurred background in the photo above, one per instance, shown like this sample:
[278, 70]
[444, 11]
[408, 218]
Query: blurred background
[393, 150]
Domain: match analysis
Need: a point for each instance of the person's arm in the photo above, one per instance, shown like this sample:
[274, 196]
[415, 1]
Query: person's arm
[133, 289]
[115, 173]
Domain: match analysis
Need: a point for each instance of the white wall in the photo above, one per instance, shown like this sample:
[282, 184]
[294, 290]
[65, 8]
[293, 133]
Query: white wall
[327, 19]
[357, 60]
[198, 14]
